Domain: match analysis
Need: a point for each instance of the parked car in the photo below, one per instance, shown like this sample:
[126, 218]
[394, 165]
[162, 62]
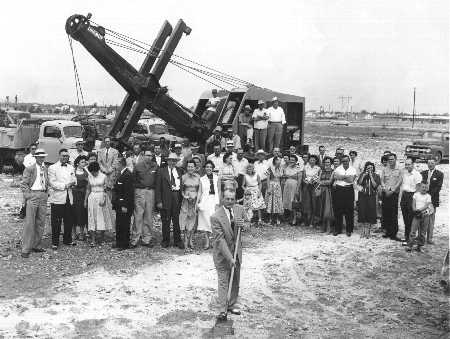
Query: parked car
[154, 129]
[433, 144]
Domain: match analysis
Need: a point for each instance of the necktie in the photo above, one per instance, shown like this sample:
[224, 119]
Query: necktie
[231, 217]
[172, 178]
[107, 151]
[430, 173]
[42, 177]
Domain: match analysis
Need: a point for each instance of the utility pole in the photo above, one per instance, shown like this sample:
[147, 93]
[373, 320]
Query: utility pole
[414, 107]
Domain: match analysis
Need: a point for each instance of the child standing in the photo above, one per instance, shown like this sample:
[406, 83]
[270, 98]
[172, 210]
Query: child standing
[422, 208]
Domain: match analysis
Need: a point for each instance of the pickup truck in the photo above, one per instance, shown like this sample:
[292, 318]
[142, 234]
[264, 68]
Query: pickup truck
[154, 129]
[433, 144]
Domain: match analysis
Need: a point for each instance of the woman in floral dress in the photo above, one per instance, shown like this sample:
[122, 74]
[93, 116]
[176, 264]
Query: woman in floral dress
[274, 198]
[325, 201]
[100, 216]
[190, 183]
[293, 177]
[253, 196]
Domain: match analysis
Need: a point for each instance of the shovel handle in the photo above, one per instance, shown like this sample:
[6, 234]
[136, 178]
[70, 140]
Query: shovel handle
[230, 284]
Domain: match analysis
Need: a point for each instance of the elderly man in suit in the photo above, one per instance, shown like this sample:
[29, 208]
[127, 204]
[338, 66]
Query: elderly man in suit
[61, 177]
[225, 223]
[34, 187]
[434, 178]
[123, 203]
[107, 158]
[168, 200]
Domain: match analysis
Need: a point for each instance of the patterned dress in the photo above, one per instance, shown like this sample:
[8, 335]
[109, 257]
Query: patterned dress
[100, 216]
[293, 175]
[274, 198]
[209, 200]
[253, 196]
[188, 212]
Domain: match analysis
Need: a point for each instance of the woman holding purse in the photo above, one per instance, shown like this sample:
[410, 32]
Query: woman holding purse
[100, 218]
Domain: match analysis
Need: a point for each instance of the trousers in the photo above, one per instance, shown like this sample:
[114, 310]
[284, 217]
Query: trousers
[144, 202]
[344, 197]
[274, 133]
[62, 213]
[389, 210]
[418, 230]
[260, 136]
[223, 281]
[407, 211]
[430, 227]
[33, 229]
[123, 221]
[171, 215]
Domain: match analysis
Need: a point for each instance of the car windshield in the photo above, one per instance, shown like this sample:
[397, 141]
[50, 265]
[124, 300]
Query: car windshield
[432, 135]
[72, 131]
[140, 129]
[159, 129]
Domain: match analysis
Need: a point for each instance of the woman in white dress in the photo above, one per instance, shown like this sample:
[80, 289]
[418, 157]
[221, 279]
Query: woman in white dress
[100, 216]
[207, 200]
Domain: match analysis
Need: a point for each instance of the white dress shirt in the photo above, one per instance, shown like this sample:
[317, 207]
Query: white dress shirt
[342, 171]
[38, 184]
[59, 177]
[259, 124]
[240, 167]
[261, 169]
[276, 115]
[158, 159]
[217, 161]
[29, 160]
[410, 180]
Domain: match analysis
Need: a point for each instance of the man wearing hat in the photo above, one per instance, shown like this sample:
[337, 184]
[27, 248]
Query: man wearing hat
[231, 137]
[34, 186]
[276, 121]
[78, 151]
[177, 150]
[216, 137]
[210, 115]
[245, 129]
[261, 167]
[144, 199]
[195, 152]
[260, 121]
[168, 200]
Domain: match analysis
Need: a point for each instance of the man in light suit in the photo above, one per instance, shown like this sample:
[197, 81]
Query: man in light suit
[225, 223]
[107, 158]
[61, 177]
[434, 179]
[34, 187]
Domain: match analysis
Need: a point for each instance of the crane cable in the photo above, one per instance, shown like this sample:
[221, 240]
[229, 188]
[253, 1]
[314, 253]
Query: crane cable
[78, 88]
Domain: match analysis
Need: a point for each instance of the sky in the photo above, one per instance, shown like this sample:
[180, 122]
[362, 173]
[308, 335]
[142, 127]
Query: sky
[376, 52]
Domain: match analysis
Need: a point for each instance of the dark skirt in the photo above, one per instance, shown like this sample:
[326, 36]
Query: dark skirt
[81, 214]
[367, 208]
[325, 205]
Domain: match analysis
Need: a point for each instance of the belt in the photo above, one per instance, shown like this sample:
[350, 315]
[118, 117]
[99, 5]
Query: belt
[145, 188]
[175, 190]
[346, 186]
[274, 122]
[38, 190]
[409, 192]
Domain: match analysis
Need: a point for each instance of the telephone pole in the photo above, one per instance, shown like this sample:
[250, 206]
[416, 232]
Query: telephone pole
[414, 107]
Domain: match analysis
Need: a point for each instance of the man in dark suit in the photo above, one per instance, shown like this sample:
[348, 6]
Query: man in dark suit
[34, 186]
[168, 200]
[434, 179]
[123, 203]
[225, 223]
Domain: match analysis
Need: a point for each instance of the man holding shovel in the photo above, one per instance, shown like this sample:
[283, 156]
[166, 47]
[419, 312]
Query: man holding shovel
[226, 224]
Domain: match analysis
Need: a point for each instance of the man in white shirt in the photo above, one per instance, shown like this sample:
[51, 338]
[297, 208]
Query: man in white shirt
[216, 158]
[260, 122]
[34, 186]
[276, 121]
[158, 156]
[61, 177]
[231, 137]
[133, 159]
[29, 159]
[343, 178]
[240, 163]
[276, 153]
[410, 179]
[261, 166]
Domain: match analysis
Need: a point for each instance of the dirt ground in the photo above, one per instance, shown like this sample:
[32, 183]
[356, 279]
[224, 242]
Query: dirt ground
[295, 282]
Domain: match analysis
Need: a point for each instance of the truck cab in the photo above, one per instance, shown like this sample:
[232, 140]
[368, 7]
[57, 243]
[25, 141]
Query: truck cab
[154, 129]
[57, 134]
[432, 144]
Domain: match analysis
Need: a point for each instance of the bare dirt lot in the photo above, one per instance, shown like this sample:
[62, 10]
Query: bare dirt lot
[295, 281]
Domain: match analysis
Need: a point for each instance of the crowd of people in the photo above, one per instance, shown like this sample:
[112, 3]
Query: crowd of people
[122, 191]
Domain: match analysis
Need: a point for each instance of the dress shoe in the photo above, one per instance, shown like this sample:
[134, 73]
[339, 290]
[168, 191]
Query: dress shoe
[385, 236]
[336, 233]
[38, 250]
[349, 234]
[418, 249]
[222, 316]
[396, 238]
[234, 311]
[165, 244]
[25, 255]
[404, 243]
[180, 245]
[430, 242]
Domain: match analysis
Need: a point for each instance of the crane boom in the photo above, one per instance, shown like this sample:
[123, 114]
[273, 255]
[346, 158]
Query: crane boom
[143, 87]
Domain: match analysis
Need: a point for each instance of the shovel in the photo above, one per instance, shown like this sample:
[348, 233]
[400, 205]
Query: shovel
[230, 284]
